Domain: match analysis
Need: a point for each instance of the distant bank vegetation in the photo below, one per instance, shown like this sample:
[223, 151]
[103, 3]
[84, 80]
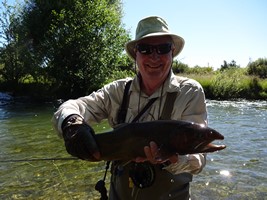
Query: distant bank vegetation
[230, 81]
[52, 50]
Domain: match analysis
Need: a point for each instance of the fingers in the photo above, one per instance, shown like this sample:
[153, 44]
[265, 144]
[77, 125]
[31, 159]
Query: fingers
[152, 153]
[173, 159]
[140, 159]
[97, 155]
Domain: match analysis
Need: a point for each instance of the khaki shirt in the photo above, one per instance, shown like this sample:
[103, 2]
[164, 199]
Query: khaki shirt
[172, 181]
[105, 103]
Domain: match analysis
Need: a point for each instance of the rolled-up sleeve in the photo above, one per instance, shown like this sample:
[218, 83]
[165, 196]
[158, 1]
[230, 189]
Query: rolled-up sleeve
[99, 105]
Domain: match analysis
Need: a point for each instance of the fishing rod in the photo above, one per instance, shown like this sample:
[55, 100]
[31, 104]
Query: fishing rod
[37, 159]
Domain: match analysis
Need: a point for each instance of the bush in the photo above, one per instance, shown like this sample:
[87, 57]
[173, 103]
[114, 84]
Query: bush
[258, 68]
[118, 74]
[200, 70]
[227, 84]
[179, 67]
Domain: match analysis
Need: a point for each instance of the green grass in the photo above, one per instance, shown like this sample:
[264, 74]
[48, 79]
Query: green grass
[231, 84]
[228, 84]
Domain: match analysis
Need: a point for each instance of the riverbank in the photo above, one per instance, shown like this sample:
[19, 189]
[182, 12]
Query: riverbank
[226, 85]
[231, 85]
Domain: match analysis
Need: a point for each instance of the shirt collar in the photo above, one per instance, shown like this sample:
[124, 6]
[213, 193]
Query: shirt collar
[171, 85]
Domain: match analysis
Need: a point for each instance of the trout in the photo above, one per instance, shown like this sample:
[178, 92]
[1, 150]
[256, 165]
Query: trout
[127, 141]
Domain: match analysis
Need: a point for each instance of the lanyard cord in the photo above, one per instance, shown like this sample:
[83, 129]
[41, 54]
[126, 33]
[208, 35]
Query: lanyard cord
[144, 109]
[100, 185]
[151, 101]
[161, 93]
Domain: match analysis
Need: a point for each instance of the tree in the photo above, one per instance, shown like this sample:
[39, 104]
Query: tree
[12, 69]
[230, 65]
[80, 42]
[179, 67]
[17, 60]
[258, 68]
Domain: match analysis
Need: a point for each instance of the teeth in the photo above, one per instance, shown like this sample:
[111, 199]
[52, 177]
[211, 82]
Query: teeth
[153, 66]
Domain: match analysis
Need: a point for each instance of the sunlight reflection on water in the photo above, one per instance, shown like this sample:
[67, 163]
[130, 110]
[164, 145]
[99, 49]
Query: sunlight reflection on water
[238, 172]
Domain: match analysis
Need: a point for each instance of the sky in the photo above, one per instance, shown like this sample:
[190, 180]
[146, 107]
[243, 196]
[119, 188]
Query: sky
[213, 30]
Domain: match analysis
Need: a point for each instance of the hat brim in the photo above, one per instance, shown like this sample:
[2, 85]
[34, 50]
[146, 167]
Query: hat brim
[177, 41]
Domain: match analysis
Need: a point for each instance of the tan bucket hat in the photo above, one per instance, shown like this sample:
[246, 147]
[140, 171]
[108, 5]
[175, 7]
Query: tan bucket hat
[151, 27]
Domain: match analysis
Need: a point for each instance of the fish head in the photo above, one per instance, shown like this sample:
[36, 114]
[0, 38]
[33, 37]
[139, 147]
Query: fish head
[197, 138]
[203, 138]
[207, 133]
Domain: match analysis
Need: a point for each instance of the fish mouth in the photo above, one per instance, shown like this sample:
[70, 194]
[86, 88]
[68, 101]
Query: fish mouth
[207, 146]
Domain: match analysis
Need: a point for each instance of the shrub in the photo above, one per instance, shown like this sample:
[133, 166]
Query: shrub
[179, 67]
[200, 70]
[227, 84]
[258, 68]
[119, 74]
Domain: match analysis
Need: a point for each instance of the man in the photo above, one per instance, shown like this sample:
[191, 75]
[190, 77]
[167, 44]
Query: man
[153, 50]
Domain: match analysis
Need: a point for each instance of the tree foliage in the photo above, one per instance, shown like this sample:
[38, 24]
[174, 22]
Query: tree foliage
[13, 53]
[80, 41]
[179, 67]
[74, 44]
[258, 68]
[230, 65]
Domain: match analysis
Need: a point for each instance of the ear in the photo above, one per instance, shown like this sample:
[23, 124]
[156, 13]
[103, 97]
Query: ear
[135, 52]
[173, 48]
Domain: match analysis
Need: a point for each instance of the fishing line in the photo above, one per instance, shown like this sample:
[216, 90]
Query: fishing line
[62, 178]
[36, 159]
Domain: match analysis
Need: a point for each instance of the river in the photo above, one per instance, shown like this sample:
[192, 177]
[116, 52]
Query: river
[29, 146]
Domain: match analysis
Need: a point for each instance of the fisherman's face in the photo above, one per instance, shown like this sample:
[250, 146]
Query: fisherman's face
[154, 63]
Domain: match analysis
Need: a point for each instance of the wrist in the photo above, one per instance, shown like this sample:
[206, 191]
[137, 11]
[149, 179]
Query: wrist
[73, 119]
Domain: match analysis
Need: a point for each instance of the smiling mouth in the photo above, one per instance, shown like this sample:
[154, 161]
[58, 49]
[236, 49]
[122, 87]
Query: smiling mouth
[154, 67]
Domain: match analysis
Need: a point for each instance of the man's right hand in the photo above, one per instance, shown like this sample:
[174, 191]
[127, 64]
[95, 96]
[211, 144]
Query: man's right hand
[79, 139]
[153, 155]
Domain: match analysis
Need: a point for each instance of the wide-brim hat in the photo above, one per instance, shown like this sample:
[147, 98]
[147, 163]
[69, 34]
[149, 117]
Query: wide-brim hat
[151, 27]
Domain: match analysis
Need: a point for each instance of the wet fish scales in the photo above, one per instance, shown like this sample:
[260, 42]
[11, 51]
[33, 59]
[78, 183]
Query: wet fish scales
[128, 140]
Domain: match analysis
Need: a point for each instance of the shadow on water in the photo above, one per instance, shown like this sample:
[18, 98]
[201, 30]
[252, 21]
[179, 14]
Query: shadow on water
[238, 172]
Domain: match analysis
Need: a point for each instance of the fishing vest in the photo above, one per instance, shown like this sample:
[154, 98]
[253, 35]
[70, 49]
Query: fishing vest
[166, 112]
[165, 185]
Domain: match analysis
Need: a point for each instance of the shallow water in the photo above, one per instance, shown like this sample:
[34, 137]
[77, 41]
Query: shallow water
[27, 138]
[238, 172]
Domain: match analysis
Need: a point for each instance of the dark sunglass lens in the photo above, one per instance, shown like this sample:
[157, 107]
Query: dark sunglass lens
[144, 49]
[163, 48]
[148, 49]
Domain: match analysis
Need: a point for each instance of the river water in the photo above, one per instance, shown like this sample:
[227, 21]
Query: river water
[29, 148]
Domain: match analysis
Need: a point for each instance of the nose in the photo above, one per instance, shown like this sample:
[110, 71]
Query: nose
[154, 54]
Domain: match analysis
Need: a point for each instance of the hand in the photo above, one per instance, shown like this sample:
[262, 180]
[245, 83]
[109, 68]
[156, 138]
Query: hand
[79, 139]
[152, 153]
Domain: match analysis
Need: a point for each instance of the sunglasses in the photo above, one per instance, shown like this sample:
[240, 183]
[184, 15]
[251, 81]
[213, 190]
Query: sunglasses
[147, 49]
